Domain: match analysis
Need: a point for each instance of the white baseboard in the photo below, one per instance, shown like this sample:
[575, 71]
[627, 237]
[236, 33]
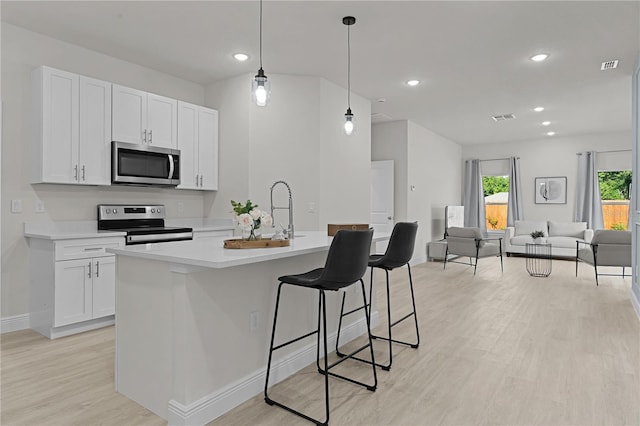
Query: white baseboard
[14, 323]
[216, 404]
[636, 303]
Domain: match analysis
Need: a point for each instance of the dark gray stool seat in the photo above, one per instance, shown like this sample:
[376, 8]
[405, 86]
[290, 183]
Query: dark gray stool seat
[346, 264]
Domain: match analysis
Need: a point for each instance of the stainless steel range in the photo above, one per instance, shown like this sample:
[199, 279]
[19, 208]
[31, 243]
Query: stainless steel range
[142, 223]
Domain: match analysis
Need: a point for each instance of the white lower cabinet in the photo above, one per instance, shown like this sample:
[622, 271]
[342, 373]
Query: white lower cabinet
[72, 284]
[84, 289]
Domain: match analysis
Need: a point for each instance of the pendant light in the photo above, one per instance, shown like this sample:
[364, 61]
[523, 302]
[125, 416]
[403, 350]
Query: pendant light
[348, 117]
[261, 86]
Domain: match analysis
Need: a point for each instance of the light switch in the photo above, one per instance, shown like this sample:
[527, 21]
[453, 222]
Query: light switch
[16, 206]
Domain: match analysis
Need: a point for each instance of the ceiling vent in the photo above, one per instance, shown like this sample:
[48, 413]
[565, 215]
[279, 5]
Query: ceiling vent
[379, 117]
[503, 117]
[609, 65]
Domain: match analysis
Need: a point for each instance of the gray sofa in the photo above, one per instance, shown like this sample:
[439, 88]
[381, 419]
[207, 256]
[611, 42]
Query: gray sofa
[561, 235]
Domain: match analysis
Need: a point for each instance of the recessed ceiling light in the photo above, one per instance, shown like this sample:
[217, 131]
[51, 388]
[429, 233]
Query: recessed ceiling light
[241, 56]
[551, 133]
[538, 109]
[539, 57]
[413, 82]
[381, 100]
[546, 123]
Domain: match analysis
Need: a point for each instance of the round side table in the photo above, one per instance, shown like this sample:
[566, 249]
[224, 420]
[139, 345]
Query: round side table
[538, 259]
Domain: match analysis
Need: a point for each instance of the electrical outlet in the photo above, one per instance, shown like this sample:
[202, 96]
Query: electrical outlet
[39, 206]
[16, 206]
[311, 207]
[253, 321]
[180, 207]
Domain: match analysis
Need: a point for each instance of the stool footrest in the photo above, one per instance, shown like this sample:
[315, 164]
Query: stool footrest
[282, 345]
[348, 379]
[355, 310]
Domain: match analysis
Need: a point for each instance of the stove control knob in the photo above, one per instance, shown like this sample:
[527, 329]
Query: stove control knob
[108, 211]
[158, 210]
[115, 211]
[153, 210]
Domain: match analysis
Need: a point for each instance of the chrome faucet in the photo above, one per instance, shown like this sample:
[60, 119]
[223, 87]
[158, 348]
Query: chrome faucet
[290, 208]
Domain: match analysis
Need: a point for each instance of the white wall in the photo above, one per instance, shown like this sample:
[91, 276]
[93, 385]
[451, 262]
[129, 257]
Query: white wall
[427, 162]
[298, 138]
[435, 172]
[555, 156]
[23, 51]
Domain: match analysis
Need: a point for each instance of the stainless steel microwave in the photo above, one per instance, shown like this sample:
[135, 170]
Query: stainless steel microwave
[133, 164]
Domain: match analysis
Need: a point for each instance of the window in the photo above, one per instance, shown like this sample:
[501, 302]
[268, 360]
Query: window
[614, 192]
[496, 195]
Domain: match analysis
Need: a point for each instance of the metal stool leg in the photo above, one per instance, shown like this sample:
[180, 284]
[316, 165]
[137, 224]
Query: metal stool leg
[325, 372]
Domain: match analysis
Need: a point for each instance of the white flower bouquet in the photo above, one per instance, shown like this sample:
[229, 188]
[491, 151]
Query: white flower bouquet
[250, 219]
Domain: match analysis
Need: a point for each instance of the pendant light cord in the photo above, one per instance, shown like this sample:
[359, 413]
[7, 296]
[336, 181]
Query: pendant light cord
[349, 66]
[260, 34]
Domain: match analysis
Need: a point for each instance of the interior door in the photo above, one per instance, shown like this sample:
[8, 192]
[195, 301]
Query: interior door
[382, 198]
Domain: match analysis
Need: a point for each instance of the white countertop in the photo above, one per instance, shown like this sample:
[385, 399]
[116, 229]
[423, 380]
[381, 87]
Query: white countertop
[67, 230]
[211, 254]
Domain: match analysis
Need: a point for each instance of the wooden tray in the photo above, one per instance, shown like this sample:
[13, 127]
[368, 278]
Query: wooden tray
[237, 243]
[332, 228]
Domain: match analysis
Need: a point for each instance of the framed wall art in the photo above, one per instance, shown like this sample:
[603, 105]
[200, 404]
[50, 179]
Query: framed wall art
[551, 190]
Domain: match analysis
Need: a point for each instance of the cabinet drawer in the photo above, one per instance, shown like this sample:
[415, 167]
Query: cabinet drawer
[86, 248]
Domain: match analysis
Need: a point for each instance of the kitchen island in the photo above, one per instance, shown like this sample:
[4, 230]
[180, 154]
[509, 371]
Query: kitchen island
[193, 322]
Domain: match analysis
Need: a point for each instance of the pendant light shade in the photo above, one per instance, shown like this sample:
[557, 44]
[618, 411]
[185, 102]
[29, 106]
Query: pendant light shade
[348, 117]
[261, 86]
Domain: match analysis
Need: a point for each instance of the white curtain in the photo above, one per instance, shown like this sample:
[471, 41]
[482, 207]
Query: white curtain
[515, 210]
[588, 200]
[474, 213]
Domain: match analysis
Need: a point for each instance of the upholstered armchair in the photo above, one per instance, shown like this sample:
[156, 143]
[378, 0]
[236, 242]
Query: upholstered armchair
[607, 248]
[469, 242]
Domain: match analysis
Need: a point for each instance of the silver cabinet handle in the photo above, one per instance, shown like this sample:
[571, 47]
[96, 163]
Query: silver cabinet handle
[92, 248]
[144, 136]
[201, 180]
[97, 268]
[84, 174]
[150, 136]
[89, 274]
[389, 217]
[75, 172]
[196, 180]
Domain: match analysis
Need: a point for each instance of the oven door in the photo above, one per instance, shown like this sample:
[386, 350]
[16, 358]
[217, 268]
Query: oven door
[134, 164]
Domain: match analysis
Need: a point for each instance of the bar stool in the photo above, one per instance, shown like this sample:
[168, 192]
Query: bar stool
[398, 253]
[345, 265]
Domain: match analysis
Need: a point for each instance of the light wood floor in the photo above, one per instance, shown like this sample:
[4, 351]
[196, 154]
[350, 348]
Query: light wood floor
[495, 349]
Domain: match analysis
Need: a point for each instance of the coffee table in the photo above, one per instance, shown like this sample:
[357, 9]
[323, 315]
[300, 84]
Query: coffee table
[538, 259]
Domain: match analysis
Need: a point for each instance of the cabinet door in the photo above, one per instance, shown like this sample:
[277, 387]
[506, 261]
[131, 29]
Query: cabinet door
[59, 122]
[104, 286]
[72, 292]
[162, 121]
[129, 114]
[188, 145]
[208, 148]
[95, 132]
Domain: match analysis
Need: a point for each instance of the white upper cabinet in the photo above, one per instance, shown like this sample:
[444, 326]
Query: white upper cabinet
[198, 144]
[144, 118]
[72, 128]
[95, 132]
